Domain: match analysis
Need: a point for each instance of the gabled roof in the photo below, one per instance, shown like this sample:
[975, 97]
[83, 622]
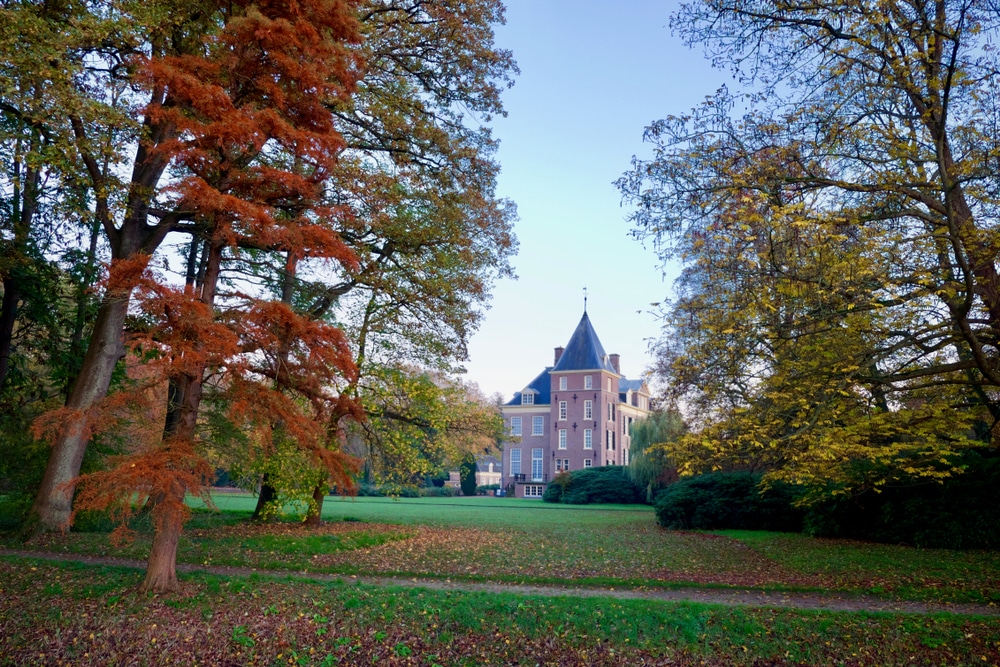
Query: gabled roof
[540, 385]
[584, 351]
[483, 463]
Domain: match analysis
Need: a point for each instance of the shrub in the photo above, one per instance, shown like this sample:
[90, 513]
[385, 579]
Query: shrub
[389, 491]
[963, 512]
[603, 484]
[486, 489]
[438, 492]
[554, 490]
[727, 500]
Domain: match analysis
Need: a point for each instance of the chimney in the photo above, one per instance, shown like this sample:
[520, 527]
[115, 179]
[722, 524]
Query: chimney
[559, 351]
[614, 363]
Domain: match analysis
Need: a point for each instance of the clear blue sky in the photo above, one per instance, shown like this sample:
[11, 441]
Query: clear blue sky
[593, 75]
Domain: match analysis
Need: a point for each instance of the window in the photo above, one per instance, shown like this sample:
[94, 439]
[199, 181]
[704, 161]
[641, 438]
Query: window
[587, 463]
[562, 464]
[537, 425]
[515, 426]
[534, 491]
[609, 384]
[562, 438]
[515, 462]
[588, 438]
[562, 410]
[588, 381]
[536, 464]
[588, 409]
[562, 383]
[527, 398]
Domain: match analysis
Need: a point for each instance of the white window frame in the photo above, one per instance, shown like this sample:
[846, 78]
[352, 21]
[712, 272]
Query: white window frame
[515, 462]
[537, 471]
[562, 438]
[534, 491]
[588, 409]
[563, 407]
[562, 383]
[538, 425]
[588, 463]
[515, 426]
[588, 381]
[527, 398]
[588, 438]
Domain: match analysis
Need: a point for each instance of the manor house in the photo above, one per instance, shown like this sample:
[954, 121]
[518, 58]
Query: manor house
[575, 414]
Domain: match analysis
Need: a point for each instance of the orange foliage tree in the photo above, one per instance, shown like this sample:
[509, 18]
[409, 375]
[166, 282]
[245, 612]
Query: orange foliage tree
[246, 127]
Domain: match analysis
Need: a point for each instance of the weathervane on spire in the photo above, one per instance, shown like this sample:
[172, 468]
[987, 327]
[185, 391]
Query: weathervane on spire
[584, 300]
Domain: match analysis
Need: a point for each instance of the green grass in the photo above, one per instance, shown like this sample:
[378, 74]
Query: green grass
[881, 568]
[528, 541]
[66, 612]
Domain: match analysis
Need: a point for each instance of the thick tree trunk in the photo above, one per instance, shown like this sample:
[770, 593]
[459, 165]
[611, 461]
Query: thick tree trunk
[54, 502]
[315, 516]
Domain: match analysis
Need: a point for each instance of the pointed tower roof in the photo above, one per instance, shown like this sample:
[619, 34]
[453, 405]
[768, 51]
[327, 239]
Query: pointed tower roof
[584, 351]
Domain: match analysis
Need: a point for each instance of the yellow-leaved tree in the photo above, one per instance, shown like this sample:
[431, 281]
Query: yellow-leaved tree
[835, 322]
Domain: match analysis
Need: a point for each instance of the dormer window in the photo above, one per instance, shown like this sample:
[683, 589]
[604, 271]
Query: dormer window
[527, 398]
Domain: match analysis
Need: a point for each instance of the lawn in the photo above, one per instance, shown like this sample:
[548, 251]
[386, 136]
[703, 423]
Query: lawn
[527, 541]
[92, 615]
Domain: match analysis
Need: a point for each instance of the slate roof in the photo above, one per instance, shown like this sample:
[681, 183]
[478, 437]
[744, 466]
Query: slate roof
[483, 463]
[624, 385]
[584, 351]
[542, 387]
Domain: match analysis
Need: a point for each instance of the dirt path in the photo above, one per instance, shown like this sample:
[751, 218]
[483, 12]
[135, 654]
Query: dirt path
[732, 597]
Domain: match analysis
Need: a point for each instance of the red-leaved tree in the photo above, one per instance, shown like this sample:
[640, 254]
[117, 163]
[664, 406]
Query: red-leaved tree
[253, 144]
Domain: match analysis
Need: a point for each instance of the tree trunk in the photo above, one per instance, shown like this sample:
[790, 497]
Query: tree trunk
[54, 502]
[315, 516]
[8, 313]
[24, 203]
[161, 569]
[169, 511]
[267, 494]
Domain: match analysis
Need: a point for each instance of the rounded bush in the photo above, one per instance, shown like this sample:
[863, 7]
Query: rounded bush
[727, 500]
[603, 484]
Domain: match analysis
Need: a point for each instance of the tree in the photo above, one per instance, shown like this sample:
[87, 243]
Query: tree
[649, 467]
[420, 423]
[418, 174]
[840, 297]
[252, 145]
[467, 477]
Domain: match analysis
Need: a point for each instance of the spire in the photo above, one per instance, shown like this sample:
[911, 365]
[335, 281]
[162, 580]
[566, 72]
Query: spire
[584, 300]
[584, 350]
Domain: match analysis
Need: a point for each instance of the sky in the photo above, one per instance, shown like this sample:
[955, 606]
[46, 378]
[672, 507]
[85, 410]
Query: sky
[594, 74]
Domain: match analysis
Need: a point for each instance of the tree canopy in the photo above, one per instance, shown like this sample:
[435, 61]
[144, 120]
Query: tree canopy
[837, 224]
